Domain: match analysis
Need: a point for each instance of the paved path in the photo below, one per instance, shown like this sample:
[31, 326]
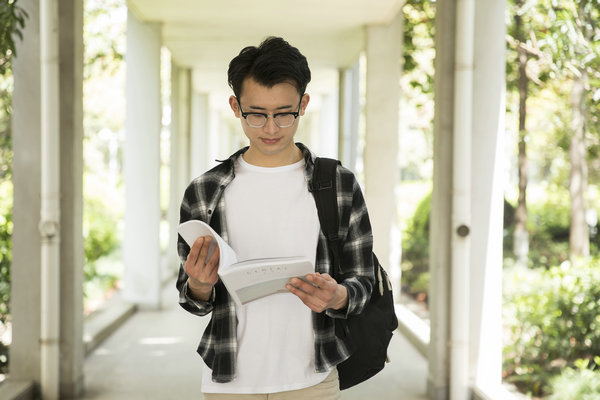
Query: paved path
[152, 357]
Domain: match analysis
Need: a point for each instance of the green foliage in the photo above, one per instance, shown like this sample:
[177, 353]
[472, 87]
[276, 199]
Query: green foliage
[100, 226]
[104, 36]
[100, 234]
[6, 153]
[415, 249]
[571, 40]
[12, 21]
[552, 319]
[579, 383]
[548, 224]
[523, 26]
[419, 27]
[571, 35]
[6, 224]
[415, 252]
[6, 227]
[99, 230]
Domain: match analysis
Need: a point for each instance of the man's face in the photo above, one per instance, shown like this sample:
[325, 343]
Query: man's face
[270, 145]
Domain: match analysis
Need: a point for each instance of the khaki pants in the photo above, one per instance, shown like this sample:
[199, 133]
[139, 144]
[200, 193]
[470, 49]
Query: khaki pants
[329, 389]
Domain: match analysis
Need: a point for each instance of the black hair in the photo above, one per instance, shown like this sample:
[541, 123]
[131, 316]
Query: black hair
[274, 61]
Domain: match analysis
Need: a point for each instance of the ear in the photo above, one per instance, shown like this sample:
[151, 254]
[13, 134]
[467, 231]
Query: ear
[235, 106]
[304, 103]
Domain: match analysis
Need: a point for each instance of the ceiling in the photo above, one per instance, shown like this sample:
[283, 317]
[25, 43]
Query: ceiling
[206, 34]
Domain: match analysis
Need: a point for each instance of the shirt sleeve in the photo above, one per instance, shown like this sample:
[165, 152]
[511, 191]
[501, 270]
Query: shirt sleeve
[186, 301]
[357, 250]
[196, 307]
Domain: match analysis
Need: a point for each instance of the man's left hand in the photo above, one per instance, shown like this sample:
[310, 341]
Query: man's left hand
[320, 292]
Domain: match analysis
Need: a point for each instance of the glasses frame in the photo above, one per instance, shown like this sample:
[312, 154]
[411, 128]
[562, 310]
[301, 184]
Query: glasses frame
[274, 115]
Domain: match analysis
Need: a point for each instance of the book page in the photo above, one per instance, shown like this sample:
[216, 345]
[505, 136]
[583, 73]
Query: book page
[250, 279]
[191, 230]
[253, 279]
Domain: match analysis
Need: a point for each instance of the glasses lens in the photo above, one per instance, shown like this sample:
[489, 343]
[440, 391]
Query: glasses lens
[284, 120]
[256, 120]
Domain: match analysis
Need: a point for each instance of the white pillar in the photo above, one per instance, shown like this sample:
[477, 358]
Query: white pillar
[349, 113]
[27, 169]
[50, 207]
[142, 277]
[26, 241]
[328, 129]
[180, 153]
[384, 50]
[441, 207]
[200, 141]
[485, 267]
[72, 351]
[488, 198]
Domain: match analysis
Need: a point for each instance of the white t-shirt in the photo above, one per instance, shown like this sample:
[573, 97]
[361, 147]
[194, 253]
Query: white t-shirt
[271, 213]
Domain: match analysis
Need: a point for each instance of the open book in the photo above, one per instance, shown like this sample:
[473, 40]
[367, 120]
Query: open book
[250, 279]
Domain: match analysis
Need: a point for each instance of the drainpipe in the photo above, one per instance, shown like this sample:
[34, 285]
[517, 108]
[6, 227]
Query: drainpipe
[461, 201]
[50, 201]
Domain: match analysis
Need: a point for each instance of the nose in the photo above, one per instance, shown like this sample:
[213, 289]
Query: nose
[271, 126]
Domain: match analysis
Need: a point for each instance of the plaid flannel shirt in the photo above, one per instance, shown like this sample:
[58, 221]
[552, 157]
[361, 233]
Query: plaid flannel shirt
[204, 200]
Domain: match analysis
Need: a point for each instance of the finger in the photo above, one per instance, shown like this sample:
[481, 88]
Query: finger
[212, 264]
[204, 251]
[310, 301]
[195, 250]
[304, 286]
[325, 276]
[321, 280]
[215, 256]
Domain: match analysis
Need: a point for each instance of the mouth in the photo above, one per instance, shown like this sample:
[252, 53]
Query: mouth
[270, 141]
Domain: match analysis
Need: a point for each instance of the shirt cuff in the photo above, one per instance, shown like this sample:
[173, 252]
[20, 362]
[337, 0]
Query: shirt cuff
[185, 297]
[342, 313]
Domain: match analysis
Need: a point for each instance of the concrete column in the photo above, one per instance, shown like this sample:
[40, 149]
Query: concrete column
[142, 277]
[26, 240]
[200, 140]
[487, 198]
[25, 272]
[328, 138]
[72, 351]
[180, 154]
[349, 114]
[215, 135]
[441, 204]
[485, 352]
[384, 50]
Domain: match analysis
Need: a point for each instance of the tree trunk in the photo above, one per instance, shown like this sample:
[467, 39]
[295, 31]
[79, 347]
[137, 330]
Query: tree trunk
[579, 232]
[521, 236]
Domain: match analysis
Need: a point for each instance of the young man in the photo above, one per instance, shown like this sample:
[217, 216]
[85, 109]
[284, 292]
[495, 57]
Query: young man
[284, 345]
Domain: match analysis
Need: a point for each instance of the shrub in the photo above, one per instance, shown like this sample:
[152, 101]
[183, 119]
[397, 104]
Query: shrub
[101, 239]
[580, 383]
[5, 249]
[5, 262]
[548, 224]
[415, 252]
[552, 320]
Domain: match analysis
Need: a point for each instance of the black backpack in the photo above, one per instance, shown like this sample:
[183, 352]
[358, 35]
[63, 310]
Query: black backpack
[368, 335]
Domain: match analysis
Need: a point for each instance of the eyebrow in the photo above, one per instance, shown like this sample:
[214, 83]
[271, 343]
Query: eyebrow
[258, 108]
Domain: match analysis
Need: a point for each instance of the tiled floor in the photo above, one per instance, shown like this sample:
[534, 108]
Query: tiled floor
[152, 357]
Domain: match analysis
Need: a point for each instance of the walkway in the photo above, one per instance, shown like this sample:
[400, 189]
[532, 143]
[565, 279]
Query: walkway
[152, 357]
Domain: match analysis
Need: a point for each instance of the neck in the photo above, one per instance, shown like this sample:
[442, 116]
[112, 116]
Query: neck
[273, 160]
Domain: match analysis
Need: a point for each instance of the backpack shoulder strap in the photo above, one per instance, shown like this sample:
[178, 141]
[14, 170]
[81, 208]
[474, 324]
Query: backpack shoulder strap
[324, 188]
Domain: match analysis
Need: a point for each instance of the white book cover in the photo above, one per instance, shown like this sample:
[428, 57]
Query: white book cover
[249, 279]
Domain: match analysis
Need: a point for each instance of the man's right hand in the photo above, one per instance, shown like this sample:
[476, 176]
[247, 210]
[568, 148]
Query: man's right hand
[202, 273]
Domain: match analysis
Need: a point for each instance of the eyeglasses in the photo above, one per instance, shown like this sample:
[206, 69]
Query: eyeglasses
[282, 120]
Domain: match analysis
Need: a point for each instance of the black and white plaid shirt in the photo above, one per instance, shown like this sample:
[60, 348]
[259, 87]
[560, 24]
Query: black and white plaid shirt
[204, 200]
